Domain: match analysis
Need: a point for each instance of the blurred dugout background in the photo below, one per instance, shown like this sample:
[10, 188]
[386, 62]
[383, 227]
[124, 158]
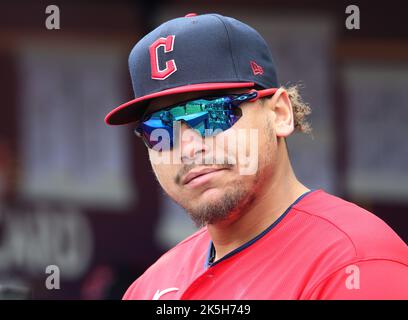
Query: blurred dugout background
[81, 195]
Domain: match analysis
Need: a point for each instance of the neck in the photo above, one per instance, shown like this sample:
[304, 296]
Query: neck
[273, 198]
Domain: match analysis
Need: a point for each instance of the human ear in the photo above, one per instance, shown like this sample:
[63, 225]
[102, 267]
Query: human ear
[281, 107]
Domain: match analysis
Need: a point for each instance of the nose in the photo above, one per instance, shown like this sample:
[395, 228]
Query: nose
[192, 144]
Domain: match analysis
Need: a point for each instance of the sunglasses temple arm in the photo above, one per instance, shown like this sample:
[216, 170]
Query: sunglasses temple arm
[137, 132]
[264, 93]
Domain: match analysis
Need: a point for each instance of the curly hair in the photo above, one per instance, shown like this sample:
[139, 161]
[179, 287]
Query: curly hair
[300, 110]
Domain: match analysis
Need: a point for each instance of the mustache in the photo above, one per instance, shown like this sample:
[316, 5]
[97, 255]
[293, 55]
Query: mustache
[186, 168]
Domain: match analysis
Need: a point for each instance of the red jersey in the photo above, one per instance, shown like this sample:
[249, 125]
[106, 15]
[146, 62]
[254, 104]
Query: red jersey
[321, 247]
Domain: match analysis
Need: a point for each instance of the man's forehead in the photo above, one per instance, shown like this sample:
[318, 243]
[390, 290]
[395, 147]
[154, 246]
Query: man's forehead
[162, 102]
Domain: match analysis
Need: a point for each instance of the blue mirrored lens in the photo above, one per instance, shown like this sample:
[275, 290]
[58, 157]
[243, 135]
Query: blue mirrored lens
[208, 116]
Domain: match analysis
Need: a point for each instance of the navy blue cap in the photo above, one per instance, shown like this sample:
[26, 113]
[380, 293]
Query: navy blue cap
[195, 53]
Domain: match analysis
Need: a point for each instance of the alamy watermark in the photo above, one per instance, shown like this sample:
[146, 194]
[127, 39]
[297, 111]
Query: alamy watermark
[353, 19]
[241, 145]
[353, 280]
[52, 21]
[52, 282]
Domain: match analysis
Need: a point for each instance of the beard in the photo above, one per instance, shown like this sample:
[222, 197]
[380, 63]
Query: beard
[234, 201]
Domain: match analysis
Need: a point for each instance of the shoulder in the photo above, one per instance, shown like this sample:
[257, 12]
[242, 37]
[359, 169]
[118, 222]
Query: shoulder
[192, 245]
[345, 236]
[186, 255]
[367, 279]
[366, 235]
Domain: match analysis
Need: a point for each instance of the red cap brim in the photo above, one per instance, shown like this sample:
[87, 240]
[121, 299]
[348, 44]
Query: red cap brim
[132, 110]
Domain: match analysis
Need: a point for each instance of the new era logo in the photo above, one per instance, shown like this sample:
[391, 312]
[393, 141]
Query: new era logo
[256, 68]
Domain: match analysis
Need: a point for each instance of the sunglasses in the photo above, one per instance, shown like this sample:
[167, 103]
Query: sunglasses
[207, 115]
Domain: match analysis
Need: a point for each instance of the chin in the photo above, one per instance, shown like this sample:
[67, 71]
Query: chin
[203, 198]
[212, 194]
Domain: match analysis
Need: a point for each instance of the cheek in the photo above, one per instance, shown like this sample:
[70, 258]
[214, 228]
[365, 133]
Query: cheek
[257, 142]
[165, 173]
[249, 135]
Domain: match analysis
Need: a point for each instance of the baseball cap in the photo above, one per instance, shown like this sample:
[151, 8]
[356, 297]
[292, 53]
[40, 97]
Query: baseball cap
[195, 53]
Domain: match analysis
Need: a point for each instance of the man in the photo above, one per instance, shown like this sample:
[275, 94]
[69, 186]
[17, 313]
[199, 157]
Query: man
[201, 82]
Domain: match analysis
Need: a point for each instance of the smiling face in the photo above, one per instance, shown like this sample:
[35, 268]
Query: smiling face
[213, 192]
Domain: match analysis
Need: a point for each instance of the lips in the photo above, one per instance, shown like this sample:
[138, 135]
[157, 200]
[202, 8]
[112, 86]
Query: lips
[197, 173]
